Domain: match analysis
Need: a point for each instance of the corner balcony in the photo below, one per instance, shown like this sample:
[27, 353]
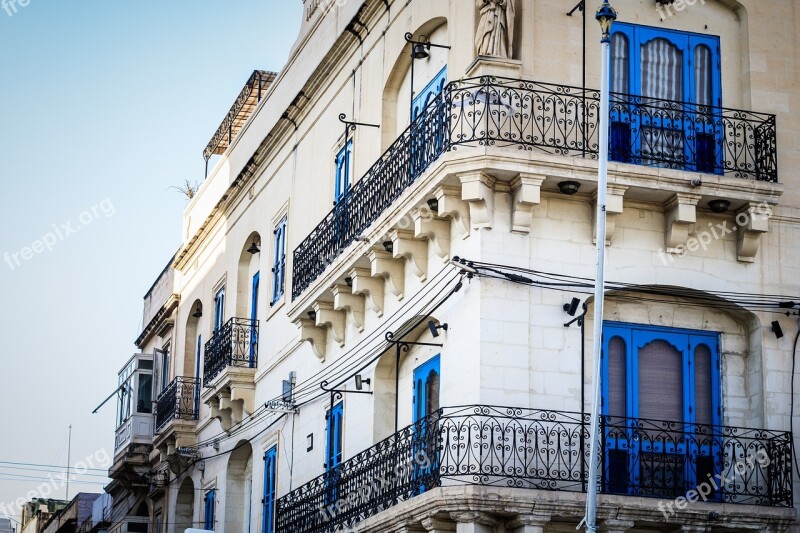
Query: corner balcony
[514, 459]
[177, 411]
[732, 152]
[231, 359]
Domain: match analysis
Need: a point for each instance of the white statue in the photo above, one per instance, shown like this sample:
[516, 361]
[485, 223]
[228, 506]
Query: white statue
[496, 28]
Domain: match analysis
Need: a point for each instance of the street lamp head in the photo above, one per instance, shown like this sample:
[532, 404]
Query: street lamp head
[606, 15]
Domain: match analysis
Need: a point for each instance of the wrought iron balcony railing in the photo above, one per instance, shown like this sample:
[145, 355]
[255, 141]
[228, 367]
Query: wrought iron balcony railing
[554, 119]
[179, 401]
[525, 448]
[234, 344]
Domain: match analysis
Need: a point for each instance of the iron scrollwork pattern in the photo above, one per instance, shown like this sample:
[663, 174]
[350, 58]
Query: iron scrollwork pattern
[234, 344]
[179, 401]
[551, 119]
[549, 450]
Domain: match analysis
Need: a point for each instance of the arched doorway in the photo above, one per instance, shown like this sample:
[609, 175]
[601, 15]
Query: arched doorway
[239, 490]
[184, 507]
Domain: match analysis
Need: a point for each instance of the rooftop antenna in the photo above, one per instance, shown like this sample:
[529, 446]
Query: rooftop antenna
[69, 457]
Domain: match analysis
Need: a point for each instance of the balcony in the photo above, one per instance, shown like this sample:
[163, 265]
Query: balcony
[550, 119]
[231, 359]
[234, 344]
[515, 448]
[179, 401]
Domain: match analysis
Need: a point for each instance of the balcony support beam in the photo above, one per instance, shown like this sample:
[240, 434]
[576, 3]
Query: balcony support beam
[533, 523]
[334, 320]
[753, 222]
[477, 189]
[405, 246]
[614, 208]
[316, 336]
[437, 525]
[616, 526]
[435, 230]
[473, 522]
[526, 189]
[384, 266]
[452, 206]
[371, 288]
[352, 304]
[681, 218]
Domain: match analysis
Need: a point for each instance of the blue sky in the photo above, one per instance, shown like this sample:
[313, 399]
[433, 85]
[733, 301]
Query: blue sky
[103, 106]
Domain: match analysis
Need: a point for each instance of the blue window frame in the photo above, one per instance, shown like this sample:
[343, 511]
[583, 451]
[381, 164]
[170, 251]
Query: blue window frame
[164, 368]
[197, 374]
[427, 382]
[344, 171]
[333, 450]
[219, 309]
[669, 379]
[279, 261]
[434, 88]
[427, 136]
[270, 472]
[254, 316]
[209, 504]
[659, 64]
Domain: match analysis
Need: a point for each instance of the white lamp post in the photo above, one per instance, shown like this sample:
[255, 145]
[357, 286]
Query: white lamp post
[606, 17]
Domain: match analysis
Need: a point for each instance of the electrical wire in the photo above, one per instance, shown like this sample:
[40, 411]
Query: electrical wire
[47, 466]
[34, 470]
[371, 343]
[791, 407]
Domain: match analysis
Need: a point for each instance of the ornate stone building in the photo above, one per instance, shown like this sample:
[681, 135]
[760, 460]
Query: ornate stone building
[379, 317]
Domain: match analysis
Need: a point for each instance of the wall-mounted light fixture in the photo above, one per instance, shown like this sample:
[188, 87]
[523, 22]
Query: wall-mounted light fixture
[388, 246]
[433, 205]
[777, 330]
[572, 307]
[435, 329]
[361, 381]
[312, 315]
[198, 311]
[569, 187]
[719, 206]
[310, 442]
[254, 249]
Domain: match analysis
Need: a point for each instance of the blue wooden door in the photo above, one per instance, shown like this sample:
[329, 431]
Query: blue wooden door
[197, 375]
[427, 133]
[427, 381]
[219, 309]
[270, 471]
[254, 317]
[208, 510]
[333, 450]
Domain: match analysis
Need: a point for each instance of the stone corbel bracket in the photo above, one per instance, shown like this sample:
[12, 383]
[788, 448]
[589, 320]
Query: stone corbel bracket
[436, 231]
[404, 245]
[681, 211]
[352, 304]
[370, 288]
[316, 336]
[333, 319]
[477, 189]
[452, 206]
[614, 207]
[752, 222]
[393, 271]
[526, 189]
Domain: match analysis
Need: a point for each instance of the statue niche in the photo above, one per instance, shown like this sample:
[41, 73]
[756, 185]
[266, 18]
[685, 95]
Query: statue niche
[495, 35]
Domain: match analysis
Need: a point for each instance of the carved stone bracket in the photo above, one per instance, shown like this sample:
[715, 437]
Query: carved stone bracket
[335, 320]
[533, 523]
[404, 245]
[437, 525]
[526, 189]
[369, 287]
[681, 217]
[436, 231]
[752, 221]
[614, 208]
[316, 336]
[477, 189]
[385, 266]
[452, 206]
[616, 526]
[352, 304]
